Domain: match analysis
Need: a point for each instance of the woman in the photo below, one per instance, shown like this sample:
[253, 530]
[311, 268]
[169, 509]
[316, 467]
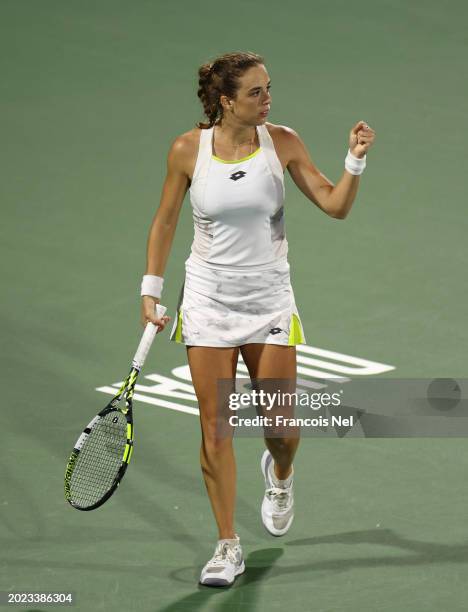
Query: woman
[237, 293]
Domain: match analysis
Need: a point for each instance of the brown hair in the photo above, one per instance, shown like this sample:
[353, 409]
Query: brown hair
[220, 77]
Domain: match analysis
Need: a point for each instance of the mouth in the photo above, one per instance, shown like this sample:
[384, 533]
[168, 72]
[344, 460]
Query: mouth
[265, 112]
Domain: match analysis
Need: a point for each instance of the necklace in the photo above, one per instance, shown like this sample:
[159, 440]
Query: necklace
[241, 143]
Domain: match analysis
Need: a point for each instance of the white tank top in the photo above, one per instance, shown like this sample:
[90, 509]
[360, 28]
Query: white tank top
[237, 207]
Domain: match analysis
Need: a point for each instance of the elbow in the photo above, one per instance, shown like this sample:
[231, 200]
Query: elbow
[336, 210]
[338, 214]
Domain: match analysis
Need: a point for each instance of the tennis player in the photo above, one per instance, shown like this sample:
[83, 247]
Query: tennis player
[237, 294]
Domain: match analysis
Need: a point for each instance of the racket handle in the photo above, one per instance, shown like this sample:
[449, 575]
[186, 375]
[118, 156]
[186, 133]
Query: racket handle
[147, 339]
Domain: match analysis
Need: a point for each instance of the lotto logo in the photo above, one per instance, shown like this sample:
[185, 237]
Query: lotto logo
[237, 175]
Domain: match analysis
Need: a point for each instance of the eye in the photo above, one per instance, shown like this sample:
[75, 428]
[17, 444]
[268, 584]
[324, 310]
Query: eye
[257, 92]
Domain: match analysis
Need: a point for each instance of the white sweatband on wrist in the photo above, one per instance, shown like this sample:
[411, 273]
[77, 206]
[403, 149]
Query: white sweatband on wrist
[355, 165]
[152, 285]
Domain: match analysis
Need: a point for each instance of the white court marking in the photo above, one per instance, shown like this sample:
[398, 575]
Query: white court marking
[313, 365]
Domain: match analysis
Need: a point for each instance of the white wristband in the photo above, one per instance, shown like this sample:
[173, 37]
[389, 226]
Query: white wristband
[152, 285]
[355, 165]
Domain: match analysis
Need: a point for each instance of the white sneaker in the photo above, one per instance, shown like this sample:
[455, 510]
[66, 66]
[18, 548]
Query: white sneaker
[226, 563]
[278, 502]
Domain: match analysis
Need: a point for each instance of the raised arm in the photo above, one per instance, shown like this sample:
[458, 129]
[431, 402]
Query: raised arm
[313, 184]
[334, 200]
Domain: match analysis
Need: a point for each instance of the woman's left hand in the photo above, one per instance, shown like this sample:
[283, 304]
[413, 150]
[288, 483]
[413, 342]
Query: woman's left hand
[361, 139]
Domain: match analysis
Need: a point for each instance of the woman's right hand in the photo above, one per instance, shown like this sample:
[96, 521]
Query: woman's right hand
[148, 313]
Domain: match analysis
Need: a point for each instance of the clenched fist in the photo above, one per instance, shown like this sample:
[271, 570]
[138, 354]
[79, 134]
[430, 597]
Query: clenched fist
[361, 139]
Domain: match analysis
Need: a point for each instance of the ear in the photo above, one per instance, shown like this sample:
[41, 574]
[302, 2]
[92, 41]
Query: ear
[225, 102]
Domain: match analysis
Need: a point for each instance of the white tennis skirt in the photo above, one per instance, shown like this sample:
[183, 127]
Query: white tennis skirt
[220, 308]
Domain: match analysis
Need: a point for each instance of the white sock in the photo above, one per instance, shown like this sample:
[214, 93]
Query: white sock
[231, 541]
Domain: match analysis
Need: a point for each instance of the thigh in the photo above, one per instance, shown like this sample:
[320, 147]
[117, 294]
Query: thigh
[272, 369]
[270, 360]
[207, 366]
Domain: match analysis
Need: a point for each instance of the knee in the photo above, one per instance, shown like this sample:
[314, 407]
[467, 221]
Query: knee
[216, 440]
[213, 453]
[215, 446]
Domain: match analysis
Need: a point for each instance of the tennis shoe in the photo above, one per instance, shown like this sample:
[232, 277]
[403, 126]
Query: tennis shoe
[226, 563]
[278, 500]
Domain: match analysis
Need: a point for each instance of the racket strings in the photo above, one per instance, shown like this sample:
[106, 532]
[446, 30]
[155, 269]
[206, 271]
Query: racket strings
[99, 460]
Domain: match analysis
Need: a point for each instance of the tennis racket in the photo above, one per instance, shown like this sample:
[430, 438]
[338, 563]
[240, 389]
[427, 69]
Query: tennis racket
[103, 451]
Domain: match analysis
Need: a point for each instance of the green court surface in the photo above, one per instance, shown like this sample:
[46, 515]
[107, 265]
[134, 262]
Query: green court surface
[93, 94]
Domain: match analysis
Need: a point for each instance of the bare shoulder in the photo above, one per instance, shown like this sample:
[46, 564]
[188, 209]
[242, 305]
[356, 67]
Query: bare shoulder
[188, 139]
[183, 151]
[283, 134]
[274, 128]
[285, 140]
